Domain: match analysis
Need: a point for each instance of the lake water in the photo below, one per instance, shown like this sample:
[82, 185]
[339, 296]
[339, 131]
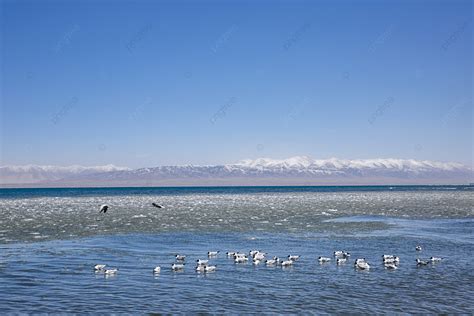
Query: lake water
[50, 239]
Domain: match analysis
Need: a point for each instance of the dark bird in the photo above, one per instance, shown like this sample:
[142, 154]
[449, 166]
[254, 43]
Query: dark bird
[104, 208]
[156, 205]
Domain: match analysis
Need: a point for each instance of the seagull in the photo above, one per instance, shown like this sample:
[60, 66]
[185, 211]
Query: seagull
[272, 261]
[256, 261]
[390, 266]
[200, 268]
[286, 263]
[180, 257]
[435, 259]
[241, 259]
[110, 271]
[239, 255]
[177, 266]
[157, 269]
[393, 259]
[104, 208]
[230, 254]
[384, 257]
[418, 248]
[359, 260]
[253, 252]
[324, 259]
[209, 268]
[421, 262]
[363, 265]
[201, 262]
[99, 267]
[157, 205]
[293, 257]
[341, 253]
[259, 256]
[341, 260]
[212, 253]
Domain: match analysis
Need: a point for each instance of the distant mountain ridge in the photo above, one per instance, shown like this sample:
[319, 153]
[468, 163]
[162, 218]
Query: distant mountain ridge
[300, 170]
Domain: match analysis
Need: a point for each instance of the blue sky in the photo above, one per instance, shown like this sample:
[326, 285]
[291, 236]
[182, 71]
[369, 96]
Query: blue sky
[148, 83]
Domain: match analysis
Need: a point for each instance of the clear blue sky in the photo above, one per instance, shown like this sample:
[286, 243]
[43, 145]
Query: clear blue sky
[148, 83]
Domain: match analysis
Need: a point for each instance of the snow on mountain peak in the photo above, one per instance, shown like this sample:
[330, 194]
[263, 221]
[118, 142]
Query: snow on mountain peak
[332, 170]
[304, 162]
[293, 162]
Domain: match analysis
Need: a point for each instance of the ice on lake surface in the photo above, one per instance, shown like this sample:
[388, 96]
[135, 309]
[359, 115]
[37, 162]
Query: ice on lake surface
[50, 242]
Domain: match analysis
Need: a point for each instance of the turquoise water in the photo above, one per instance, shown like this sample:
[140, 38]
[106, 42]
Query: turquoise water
[51, 239]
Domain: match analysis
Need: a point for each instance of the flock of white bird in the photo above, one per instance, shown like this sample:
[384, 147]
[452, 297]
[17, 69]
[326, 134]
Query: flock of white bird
[390, 262]
[257, 257]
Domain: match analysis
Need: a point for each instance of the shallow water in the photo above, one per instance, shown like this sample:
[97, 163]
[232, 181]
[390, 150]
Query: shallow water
[49, 245]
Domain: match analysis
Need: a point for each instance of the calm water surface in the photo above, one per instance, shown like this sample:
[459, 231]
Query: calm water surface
[50, 240]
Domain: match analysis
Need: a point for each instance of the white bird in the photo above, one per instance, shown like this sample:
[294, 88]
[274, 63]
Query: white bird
[422, 262]
[259, 256]
[212, 253]
[272, 262]
[287, 263]
[230, 253]
[293, 257]
[104, 208]
[253, 252]
[157, 269]
[256, 261]
[201, 262]
[324, 259]
[239, 255]
[341, 253]
[210, 268]
[99, 267]
[435, 259]
[393, 259]
[341, 260]
[390, 266]
[201, 268]
[358, 260]
[387, 256]
[110, 271]
[177, 266]
[241, 259]
[363, 265]
[180, 257]
[418, 248]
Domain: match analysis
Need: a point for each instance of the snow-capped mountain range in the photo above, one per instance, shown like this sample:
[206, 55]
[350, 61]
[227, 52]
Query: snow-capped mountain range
[299, 170]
